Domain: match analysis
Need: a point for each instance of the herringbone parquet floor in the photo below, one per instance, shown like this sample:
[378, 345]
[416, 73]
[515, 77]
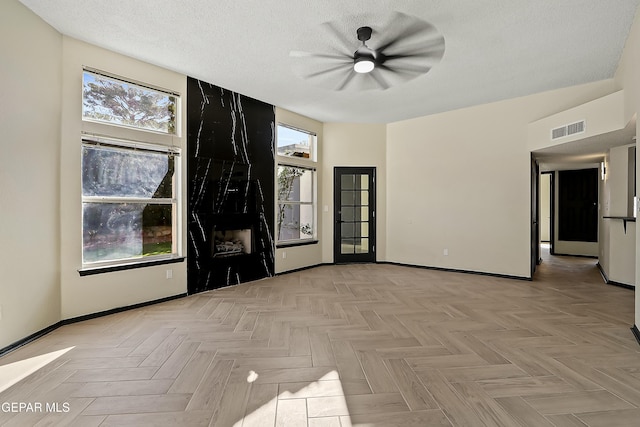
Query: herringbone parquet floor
[361, 345]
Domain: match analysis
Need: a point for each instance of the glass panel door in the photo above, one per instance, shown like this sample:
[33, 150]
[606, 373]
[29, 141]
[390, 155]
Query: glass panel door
[354, 214]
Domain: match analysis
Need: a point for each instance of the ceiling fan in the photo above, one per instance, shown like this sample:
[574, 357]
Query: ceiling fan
[405, 48]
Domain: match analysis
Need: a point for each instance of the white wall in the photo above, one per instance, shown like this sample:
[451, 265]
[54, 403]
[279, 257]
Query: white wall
[294, 257]
[30, 76]
[94, 293]
[619, 253]
[347, 144]
[461, 181]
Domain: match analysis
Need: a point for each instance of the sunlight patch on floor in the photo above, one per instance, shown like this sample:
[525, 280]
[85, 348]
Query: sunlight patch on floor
[302, 403]
[16, 371]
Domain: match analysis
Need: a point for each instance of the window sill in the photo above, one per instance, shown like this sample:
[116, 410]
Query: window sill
[300, 243]
[108, 269]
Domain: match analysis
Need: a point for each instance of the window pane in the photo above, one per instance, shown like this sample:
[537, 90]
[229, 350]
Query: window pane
[295, 222]
[115, 101]
[347, 182]
[349, 198]
[361, 246]
[126, 173]
[364, 182]
[363, 227]
[294, 143]
[357, 213]
[347, 229]
[295, 184]
[117, 231]
[347, 214]
[347, 246]
[364, 198]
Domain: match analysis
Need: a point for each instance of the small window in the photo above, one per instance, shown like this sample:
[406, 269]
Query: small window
[296, 204]
[110, 100]
[129, 202]
[295, 143]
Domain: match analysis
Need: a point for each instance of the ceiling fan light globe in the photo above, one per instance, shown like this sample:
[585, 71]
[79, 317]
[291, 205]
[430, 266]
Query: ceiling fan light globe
[363, 65]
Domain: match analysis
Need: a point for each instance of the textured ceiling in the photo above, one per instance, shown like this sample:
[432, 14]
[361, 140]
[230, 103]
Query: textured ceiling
[495, 49]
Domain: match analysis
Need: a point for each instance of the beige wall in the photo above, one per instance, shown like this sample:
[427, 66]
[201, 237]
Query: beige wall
[90, 294]
[294, 257]
[627, 77]
[347, 144]
[617, 252]
[460, 181]
[602, 115]
[30, 72]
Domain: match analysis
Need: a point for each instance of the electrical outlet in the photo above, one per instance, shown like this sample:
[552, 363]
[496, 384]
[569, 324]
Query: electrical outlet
[169, 274]
[284, 254]
[445, 252]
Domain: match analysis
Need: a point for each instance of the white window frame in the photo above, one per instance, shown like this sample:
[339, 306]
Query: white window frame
[175, 201]
[301, 163]
[313, 142]
[136, 138]
[137, 84]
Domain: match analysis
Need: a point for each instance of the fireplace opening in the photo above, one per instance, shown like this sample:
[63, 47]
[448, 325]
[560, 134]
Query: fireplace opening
[231, 242]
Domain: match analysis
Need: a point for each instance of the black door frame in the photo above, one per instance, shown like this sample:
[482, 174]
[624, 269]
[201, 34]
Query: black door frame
[370, 256]
[535, 214]
[552, 208]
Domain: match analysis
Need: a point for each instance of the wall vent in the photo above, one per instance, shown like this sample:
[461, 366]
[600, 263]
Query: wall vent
[567, 130]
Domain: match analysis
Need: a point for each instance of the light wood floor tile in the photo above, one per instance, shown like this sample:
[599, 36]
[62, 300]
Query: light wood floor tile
[578, 402]
[291, 413]
[352, 345]
[325, 422]
[138, 404]
[261, 406]
[165, 419]
[565, 420]
[521, 412]
[623, 418]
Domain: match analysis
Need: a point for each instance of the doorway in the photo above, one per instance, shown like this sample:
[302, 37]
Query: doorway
[354, 190]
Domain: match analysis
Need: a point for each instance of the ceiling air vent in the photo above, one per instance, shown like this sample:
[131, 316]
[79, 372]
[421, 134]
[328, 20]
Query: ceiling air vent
[567, 130]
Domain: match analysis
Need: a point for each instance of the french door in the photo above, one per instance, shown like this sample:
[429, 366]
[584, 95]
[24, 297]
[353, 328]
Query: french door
[354, 214]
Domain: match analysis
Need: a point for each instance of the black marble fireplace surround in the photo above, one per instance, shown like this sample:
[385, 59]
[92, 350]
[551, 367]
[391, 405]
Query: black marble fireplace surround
[230, 170]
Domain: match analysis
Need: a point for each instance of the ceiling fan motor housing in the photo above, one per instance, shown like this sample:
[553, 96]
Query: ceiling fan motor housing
[364, 33]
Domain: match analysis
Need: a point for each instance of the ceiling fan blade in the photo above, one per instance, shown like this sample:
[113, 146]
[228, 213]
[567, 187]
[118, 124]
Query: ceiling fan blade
[347, 43]
[347, 80]
[411, 30]
[375, 75]
[303, 54]
[407, 68]
[329, 70]
[430, 49]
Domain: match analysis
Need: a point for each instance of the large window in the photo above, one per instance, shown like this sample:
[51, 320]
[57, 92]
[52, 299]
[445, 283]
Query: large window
[296, 143]
[130, 187]
[296, 204]
[129, 202]
[110, 100]
[296, 186]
